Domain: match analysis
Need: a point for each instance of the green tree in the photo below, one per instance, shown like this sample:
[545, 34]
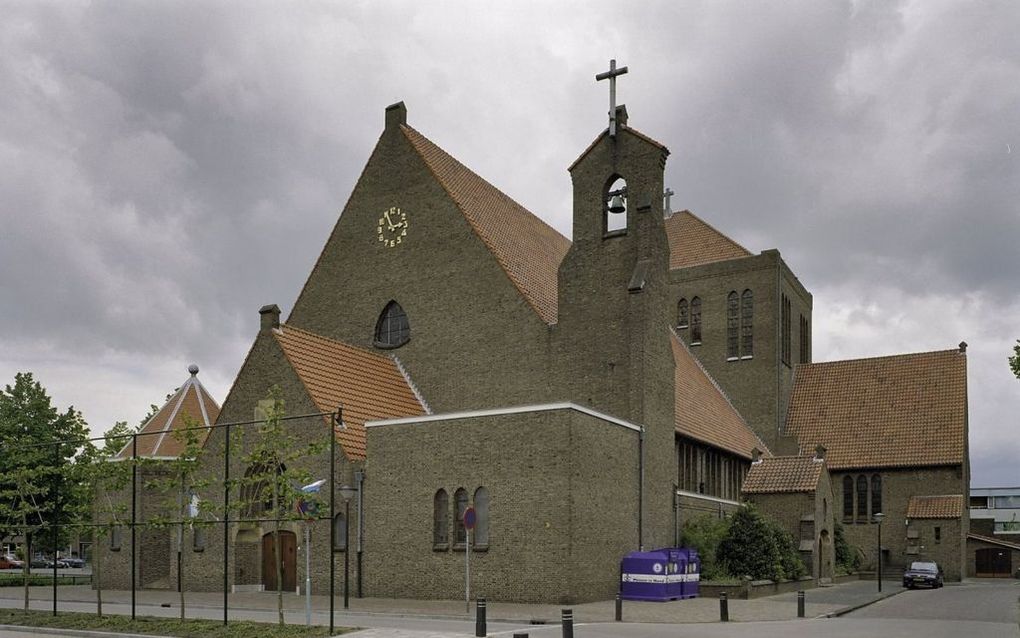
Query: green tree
[847, 557]
[39, 443]
[1014, 361]
[705, 533]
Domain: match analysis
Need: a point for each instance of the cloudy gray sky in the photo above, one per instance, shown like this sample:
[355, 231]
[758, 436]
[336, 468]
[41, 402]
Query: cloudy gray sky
[168, 167]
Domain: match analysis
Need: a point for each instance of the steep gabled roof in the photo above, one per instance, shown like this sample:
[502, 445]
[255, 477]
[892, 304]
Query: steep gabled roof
[900, 411]
[780, 474]
[369, 386]
[528, 249]
[621, 128]
[945, 506]
[703, 412]
[692, 242]
[191, 402]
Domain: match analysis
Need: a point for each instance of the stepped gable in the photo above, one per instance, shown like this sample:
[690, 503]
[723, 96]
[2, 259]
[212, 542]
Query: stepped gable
[783, 474]
[368, 385]
[945, 506]
[703, 412]
[157, 438]
[899, 411]
[528, 249]
[693, 242]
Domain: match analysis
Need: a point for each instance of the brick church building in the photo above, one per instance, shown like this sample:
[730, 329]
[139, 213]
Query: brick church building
[586, 397]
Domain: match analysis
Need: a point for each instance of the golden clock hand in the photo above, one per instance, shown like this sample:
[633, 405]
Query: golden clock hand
[389, 222]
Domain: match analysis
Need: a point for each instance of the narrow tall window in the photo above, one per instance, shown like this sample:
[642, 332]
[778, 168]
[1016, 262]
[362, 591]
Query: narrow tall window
[198, 539]
[696, 320]
[116, 537]
[848, 498]
[805, 340]
[732, 326]
[747, 324]
[392, 330]
[481, 517]
[460, 499]
[441, 519]
[785, 322]
[862, 499]
[682, 317]
[876, 494]
[339, 533]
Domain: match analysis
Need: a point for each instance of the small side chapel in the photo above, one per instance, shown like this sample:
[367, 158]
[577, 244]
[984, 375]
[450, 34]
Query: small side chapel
[586, 397]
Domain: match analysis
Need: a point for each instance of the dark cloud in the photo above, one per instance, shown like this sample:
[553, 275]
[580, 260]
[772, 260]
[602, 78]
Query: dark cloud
[167, 168]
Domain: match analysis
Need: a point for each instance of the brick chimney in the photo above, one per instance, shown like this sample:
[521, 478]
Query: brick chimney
[820, 453]
[755, 456]
[270, 315]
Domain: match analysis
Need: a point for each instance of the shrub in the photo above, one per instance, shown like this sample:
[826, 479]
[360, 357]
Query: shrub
[847, 558]
[758, 547]
[704, 534]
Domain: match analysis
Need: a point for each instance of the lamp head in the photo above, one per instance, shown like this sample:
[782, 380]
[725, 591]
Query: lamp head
[878, 516]
[347, 492]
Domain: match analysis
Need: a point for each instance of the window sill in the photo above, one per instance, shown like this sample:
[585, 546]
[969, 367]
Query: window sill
[614, 233]
[683, 327]
[390, 346]
[695, 343]
[747, 357]
[480, 548]
[441, 547]
[732, 358]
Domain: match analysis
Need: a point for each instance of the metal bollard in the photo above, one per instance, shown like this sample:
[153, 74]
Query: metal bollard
[480, 617]
[724, 608]
[619, 608]
[568, 623]
[800, 604]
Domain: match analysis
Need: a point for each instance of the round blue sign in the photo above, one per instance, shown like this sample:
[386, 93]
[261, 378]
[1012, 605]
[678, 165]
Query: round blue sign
[470, 518]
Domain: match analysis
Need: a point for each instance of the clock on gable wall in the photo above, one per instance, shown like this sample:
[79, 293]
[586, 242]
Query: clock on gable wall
[392, 227]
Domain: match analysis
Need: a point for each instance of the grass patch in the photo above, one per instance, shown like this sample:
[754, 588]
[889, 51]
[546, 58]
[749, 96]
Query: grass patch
[191, 628]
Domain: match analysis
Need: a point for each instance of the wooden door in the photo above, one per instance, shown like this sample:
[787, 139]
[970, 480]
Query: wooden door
[288, 549]
[993, 562]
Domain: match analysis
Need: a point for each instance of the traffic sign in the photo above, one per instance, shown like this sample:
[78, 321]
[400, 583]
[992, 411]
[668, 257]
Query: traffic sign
[470, 518]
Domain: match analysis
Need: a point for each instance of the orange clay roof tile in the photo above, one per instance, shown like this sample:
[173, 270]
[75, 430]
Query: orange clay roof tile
[703, 412]
[783, 474]
[369, 386]
[692, 242]
[946, 506]
[898, 411]
[528, 249]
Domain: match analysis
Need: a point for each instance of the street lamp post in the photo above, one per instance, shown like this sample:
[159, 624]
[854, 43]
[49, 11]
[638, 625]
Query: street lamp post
[878, 519]
[347, 493]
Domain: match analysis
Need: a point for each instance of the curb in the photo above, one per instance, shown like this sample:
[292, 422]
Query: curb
[852, 608]
[84, 633]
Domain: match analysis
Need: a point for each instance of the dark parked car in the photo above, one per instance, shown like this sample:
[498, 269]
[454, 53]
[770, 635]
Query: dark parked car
[76, 563]
[923, 573]
[47, 563]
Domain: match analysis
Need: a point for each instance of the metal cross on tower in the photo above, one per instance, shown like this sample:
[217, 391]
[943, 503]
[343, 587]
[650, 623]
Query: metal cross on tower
[611, 76]
[666, 204]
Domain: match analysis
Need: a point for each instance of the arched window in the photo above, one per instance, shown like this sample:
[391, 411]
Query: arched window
[460, 499]
[441, 519]
[614, 217]
[339, 533]
[682, 316]
[876, 494]
[696, 320]
[848, 498]
[392, 330]
[862, 499]
[747, 324]
[732, 326]
[481, 517]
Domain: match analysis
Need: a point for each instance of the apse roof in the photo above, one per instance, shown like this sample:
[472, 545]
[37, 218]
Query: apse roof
[157, 439]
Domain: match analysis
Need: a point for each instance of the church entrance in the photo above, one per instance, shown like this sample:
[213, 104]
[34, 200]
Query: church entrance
[288, 549]
[993, 562]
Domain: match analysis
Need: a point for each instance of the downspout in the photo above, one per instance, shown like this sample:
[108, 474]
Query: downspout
[359, 478]
[641, 489]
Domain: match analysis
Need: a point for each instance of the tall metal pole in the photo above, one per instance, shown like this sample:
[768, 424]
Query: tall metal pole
[347, 553]
[334, 419]
[226, 518]
[308, 573]
[134, 514]
[53, 519]
[880, 555]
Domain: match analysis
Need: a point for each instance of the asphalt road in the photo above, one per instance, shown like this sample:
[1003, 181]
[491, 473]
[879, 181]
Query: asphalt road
[985, 600]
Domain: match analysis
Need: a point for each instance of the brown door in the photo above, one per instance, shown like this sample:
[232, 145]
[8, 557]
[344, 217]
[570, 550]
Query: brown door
[993, 562]
[288, 549]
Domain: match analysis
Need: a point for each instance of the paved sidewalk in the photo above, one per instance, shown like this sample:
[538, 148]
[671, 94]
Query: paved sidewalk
[824, 601]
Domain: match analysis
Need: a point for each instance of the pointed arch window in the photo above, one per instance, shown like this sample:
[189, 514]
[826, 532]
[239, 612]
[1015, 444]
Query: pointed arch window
[441, 520]
[732, 326]
[848, 498]
[460, 499]
[747, 324]
[481, 535]
[682, 314]
[862, 499]
[695, 320]
[392, 330]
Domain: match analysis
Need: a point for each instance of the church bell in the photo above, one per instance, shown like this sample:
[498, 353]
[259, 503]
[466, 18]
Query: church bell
[616, 204]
